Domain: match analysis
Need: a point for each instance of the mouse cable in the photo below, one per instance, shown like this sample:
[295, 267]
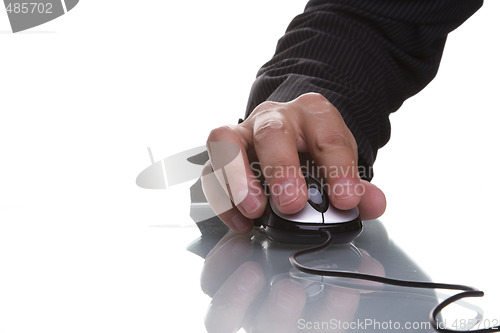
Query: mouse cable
[466, 290]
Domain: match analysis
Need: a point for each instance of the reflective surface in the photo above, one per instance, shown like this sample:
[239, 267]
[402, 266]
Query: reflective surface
[252, 284]
[84, 249]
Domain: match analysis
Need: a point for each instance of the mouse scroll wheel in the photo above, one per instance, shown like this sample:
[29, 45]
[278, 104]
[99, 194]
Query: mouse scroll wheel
[315, 195]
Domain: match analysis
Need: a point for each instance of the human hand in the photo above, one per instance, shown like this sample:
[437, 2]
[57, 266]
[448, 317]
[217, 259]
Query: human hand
[253, 287]
[274, 135]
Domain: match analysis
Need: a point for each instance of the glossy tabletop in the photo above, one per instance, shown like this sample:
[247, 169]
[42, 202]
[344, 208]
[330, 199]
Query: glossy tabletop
[84, 249]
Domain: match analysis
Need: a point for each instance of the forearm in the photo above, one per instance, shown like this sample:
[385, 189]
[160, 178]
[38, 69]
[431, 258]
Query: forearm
[365, 56]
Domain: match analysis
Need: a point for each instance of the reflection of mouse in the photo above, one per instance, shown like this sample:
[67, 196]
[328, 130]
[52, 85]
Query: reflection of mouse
[306, 225]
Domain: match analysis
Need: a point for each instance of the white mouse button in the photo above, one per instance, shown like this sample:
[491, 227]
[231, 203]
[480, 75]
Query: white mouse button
[306, 215]
[334, 215]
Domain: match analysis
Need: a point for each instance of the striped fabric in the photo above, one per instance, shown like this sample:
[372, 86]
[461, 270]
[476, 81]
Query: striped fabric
[366, 56]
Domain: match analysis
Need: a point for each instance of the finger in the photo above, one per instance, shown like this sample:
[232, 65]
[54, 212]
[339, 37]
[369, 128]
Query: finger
[373, 202]
[282, 308]
[227, 150]
[338, 306]
[220, 202]
[333, 148]
[231, 302]
[275, 145]
[224, 259]
[371, 266]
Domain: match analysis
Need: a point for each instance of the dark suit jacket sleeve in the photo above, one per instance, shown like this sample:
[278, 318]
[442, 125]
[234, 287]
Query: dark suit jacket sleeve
[365, 56]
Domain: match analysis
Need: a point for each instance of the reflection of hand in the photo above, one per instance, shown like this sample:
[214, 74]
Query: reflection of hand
[242, 296]
[274, 134]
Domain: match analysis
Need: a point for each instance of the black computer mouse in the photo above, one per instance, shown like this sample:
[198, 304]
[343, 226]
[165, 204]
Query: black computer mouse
[318, 214]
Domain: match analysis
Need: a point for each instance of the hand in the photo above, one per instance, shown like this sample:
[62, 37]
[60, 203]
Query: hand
[253, 288]
[274, 135]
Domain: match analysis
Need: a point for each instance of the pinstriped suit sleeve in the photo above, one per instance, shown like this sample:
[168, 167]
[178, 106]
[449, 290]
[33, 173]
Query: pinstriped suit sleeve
[365, 56]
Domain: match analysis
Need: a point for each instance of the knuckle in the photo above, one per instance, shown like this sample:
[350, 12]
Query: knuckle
[219, 133]
[268, 128]
[313, 97]
[264, 109]
[332, 140]
[318, 107]
[315, 101]
[265, 106]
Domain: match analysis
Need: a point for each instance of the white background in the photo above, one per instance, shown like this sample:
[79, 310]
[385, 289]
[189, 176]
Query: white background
[83, 96]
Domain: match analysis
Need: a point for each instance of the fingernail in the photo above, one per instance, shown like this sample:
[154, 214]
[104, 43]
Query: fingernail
[250, 276]
[240, 223]
[251, 203]
[287, 194]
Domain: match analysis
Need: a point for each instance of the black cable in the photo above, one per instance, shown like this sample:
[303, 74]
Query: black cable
[466, 290]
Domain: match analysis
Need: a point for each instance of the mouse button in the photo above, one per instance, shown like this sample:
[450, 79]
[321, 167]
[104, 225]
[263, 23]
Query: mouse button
[334, 215]
[307, 215]
[315, 195]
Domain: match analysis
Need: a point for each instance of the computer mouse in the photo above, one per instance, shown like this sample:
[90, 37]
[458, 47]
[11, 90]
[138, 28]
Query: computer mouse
[318, 214]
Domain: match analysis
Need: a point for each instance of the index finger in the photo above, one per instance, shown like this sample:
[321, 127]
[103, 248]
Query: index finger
[227, 150]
